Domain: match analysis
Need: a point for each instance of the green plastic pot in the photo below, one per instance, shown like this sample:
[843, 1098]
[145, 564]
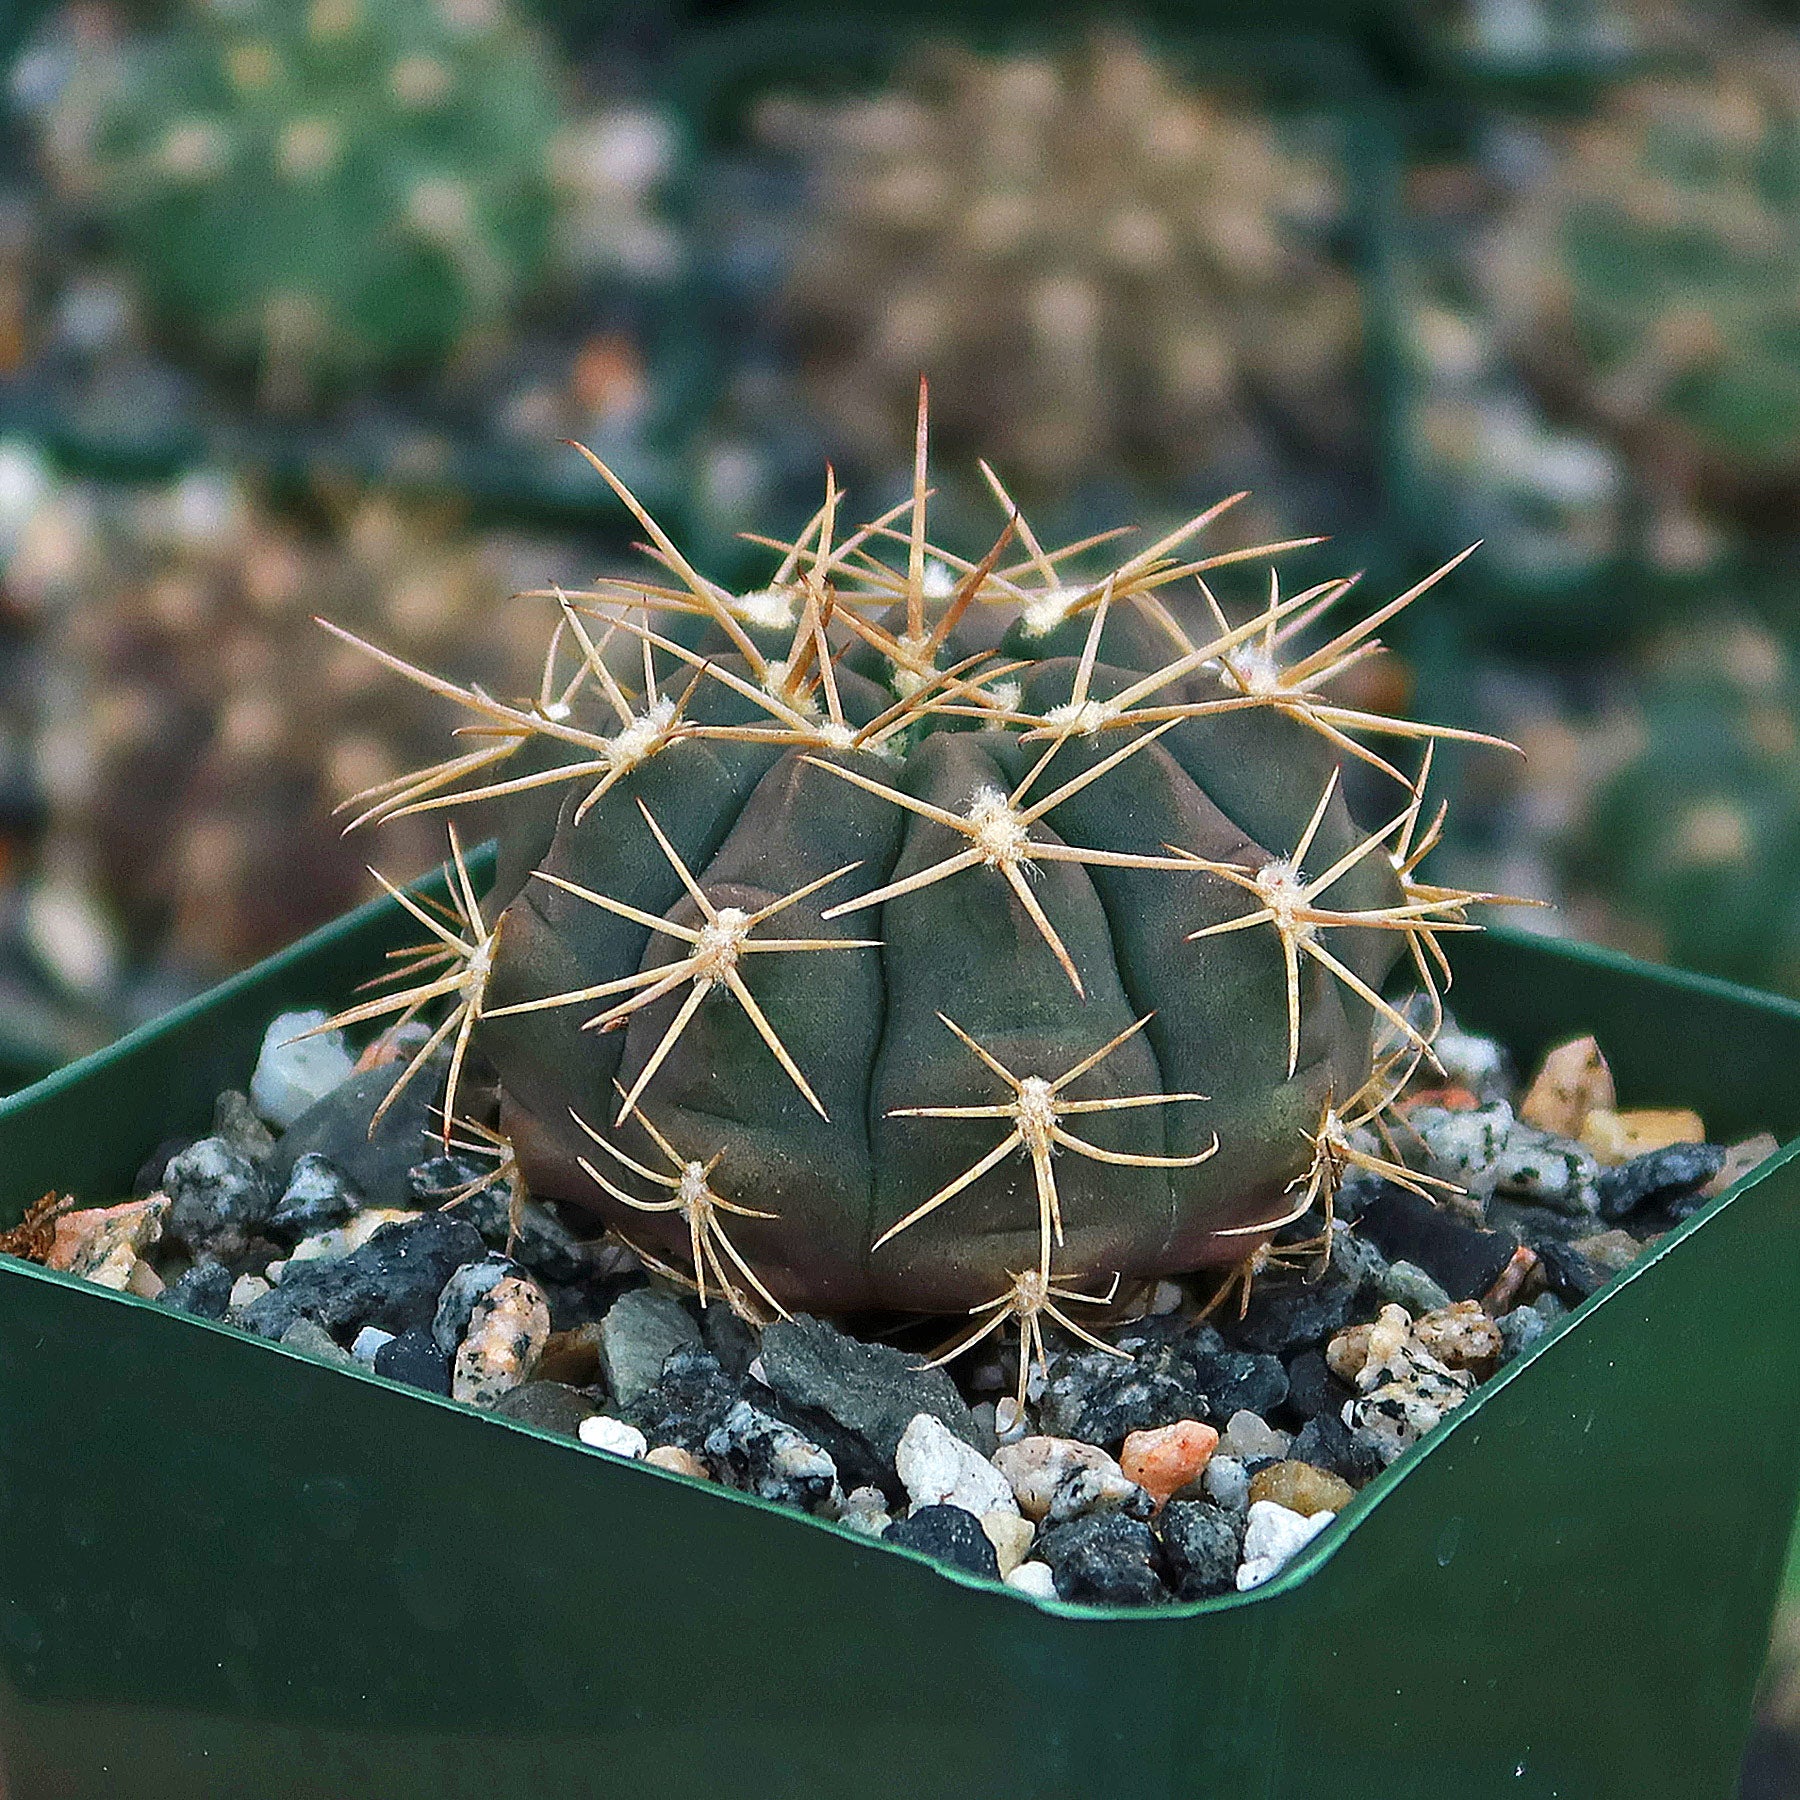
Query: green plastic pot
[226, 1570]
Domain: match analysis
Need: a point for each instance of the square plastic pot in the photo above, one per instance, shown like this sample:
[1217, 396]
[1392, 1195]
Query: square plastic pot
[226, 1570]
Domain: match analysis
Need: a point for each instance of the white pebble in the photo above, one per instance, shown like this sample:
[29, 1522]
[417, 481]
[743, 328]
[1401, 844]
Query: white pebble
[1038, 1468]
[369, 1343]
[1011, 1537]
[1035, 1579]
[245, 1289]
[865, 1510]
[294, 1071]
[1250, 1438]
[938, 1469]
[1274, 1536]
[1010, 1423]
[602, 1433]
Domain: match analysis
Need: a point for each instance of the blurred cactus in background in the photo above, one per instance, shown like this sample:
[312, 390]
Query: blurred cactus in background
[197, 726]
[317, 193]
[1109, 276]
[1651, 278]
[1693, 844]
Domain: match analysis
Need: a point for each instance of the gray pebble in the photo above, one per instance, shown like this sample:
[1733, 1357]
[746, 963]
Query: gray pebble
[769, 1458]
[312, 1339]
[1406, 1284]
[641, 1331]
[218, 1200]
[856, 1400]
[236, 1122]
[1227, 1483]
[1519, 1330]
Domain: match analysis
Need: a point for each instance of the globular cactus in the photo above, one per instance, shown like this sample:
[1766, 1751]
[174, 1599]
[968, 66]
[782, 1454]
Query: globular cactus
[195, 726]
[1652, 277]
[1105, 272]
[934, 935]
[320, 192]
[1691, 846]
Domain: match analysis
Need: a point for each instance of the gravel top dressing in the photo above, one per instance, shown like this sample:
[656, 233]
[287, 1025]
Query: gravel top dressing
[1176, 1441]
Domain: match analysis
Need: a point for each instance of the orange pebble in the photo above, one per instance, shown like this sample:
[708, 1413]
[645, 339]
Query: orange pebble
[1452, 1099]
[1163, 1461]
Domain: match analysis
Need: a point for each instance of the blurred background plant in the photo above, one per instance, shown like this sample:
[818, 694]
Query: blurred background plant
[1114, 281]
[298, 297]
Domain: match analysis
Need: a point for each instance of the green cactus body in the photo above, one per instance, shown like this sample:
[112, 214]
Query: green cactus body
[321, 192]
[1045, 995]
[1656, 278]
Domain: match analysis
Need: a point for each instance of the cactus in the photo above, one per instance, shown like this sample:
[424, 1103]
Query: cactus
[184, 665]
[318, 192]
[1105, 272]
[1692, 845]
[1653, 279]
[940, 935]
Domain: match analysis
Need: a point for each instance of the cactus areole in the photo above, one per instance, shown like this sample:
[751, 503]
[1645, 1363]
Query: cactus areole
[931, 933]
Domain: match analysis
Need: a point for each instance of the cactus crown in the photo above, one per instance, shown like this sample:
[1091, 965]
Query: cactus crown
[1666, 257]
[324, 191]
[936, 933]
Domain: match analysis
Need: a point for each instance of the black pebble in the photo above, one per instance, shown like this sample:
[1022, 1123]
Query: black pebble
[204, 1291]
[951, 1534]
[1312, 1388]
[437, 1178]
[1327, 1443]
[1105, 1558]
[393, 1281]
[1240, 1381]
[413, 1357]
[1200, 1543]
[1670, 1173]
[1287, 1316]
[1157, 1389]
[1462, 1259]
[688, 1404]
[1568, 1273]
